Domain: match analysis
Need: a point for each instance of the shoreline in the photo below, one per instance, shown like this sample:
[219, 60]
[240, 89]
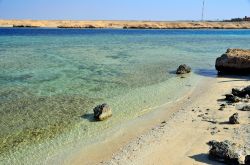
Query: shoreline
[118, 135]
[181, 129]
[123, 24]
[75, 139]
[125, 133]
[183, 138]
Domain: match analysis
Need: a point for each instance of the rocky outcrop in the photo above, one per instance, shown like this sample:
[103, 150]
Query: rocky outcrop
[102, 112]
[234, 119]
[225, 151]
[234, 61]
[183, 69]
[25, 26]
[69, 26]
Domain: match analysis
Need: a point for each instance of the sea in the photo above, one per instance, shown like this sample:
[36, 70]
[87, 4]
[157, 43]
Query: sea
[51, 79]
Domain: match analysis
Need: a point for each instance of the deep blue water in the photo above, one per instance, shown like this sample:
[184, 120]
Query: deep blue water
[59, 32]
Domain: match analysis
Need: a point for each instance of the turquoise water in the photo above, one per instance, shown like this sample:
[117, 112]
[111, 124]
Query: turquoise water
[50, 80]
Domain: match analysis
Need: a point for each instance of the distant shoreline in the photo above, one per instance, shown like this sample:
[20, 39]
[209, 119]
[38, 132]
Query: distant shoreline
[123, 24]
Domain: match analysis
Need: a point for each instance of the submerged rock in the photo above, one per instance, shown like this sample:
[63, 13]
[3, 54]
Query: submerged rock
[102, 112]
[234, 119]
[234, 61]
[183, 69]
[225, 151]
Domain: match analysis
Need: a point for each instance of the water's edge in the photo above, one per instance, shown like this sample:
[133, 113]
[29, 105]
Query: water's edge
[113, 140]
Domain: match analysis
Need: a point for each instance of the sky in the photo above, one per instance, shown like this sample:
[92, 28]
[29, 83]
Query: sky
[168, 10]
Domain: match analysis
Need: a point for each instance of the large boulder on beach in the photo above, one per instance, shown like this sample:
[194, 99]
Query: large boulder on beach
[234, 61]
[102, 112]
[234, 119]
[225, 151]
[183, 69]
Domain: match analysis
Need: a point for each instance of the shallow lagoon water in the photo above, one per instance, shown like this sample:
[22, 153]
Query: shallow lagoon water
[50, 79]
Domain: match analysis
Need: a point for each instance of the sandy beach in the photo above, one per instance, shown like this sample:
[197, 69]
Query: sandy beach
[178, 134]
[125, 24]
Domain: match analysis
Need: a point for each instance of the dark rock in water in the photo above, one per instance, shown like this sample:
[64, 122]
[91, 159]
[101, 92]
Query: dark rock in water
[183, 69]
[246, 108]
[102, 112]
[225, 152]
[234, 61]
[234, 119]
[232, 98]
[247, 160]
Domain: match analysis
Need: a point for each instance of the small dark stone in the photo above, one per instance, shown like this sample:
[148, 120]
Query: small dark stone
[183, 69]
[223, 105]
[232, 98]
[236, 91]
[234, 119]
[242, 93]
[221, 108]
[164, 122]
[247, 160]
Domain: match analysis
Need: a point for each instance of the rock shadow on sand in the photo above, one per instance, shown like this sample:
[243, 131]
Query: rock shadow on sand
[214, 74]
[89, 117]
[203, 158]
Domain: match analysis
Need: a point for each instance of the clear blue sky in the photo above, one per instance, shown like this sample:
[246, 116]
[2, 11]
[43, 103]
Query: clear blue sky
[123, 9]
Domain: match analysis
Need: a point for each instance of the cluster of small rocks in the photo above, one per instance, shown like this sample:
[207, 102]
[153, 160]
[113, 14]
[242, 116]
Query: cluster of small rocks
[238, 95]
[226, 151]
